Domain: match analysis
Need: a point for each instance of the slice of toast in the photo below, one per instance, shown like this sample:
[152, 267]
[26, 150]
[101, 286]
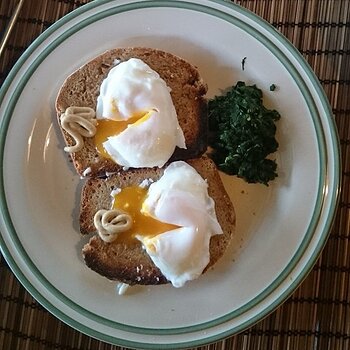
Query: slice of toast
[81, 89]
[130, 263]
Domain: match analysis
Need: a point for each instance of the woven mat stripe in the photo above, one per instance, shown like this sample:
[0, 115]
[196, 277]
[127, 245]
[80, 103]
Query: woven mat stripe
[35, 17]
[317, 315]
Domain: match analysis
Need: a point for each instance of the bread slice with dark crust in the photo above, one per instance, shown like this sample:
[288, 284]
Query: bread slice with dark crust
[130, 263]
[187, 91]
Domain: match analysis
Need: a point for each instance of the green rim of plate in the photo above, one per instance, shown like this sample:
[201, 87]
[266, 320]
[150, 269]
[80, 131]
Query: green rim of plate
[323, 152]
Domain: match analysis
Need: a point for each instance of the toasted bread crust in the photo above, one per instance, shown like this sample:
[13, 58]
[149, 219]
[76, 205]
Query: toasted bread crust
[130, 263]
[187, 90]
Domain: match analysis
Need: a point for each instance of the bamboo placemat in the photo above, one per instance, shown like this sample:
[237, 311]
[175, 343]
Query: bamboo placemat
[317, 315]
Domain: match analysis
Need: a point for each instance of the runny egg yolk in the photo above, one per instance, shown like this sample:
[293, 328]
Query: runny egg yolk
[130, 200]
[107, 127]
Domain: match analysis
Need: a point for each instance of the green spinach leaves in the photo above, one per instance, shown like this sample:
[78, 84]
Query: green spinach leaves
[242, 134]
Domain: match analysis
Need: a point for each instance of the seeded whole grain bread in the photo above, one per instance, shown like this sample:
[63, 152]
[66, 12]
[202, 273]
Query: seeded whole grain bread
[130, 263]
[81, 89]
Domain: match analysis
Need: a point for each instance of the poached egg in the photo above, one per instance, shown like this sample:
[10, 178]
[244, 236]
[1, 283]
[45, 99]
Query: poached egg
[174, 220]
[137, 121]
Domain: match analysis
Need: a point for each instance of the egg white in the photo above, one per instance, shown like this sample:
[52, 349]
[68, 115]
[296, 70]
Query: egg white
[180, 197]
[133, 88]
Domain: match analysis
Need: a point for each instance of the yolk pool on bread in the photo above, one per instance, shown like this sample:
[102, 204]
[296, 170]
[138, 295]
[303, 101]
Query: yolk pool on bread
[174, 219]
[137, 120]
[130, 199]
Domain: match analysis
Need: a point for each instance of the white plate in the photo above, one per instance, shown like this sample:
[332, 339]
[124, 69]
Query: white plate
[281, 228]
